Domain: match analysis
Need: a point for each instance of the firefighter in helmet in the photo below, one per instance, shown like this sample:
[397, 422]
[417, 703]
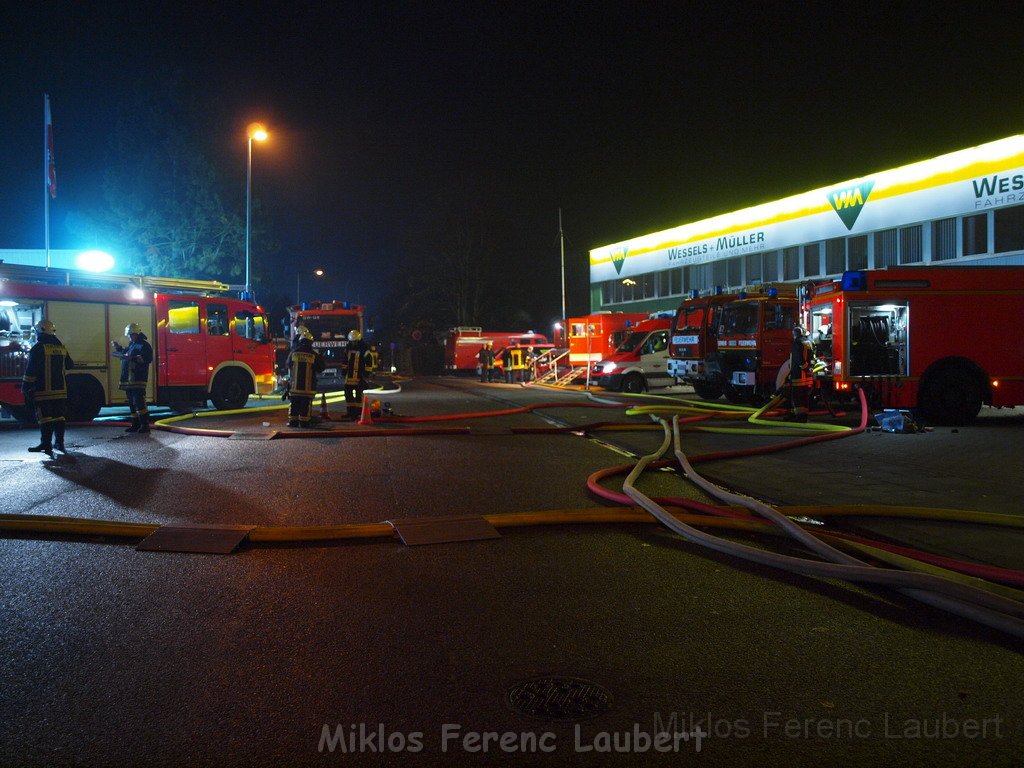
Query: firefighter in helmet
[135, 361]
[486, 357]
[801, 356]
[356, 373]
[45, 387]
[303, 366]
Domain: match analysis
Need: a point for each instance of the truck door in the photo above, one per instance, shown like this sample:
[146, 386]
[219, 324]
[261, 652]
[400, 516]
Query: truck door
[249, 339]
[654, 358]
[182, 357]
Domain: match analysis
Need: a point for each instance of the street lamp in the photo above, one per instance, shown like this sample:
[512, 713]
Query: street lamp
[298, 283]
[258, 133]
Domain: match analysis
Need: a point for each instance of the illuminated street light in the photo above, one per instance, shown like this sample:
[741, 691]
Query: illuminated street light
[298, 283]
[256, 132]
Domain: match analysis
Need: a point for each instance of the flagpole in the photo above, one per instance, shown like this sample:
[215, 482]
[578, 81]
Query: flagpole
[46, 173]
[561, 241]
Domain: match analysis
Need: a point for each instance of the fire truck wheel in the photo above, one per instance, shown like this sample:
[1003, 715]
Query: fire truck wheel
[634, 383]
[734, 395]
[85, 398]
[230, 391]
[950, 397]
[707, 390]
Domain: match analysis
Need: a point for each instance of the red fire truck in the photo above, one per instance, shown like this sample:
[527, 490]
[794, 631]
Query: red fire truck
[596, 336]
[206, 346]
[734, 343]
[462, 345]
[330, 323]
[944, 340]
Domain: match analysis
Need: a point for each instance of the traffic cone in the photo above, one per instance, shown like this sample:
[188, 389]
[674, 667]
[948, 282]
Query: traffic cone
[325, 414]
[365, 419]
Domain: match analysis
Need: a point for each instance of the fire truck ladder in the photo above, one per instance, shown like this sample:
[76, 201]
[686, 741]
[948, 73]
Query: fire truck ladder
[77, 277]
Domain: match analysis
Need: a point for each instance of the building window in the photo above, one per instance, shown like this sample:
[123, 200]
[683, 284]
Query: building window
[770, 272]
[753, 268]
[857, 252]
[885, 248]
[835, 256]
[698, 276]
[675, 282]
[812, 260]
[943, 239]
[975, 234]
[791, 263]
[910, 245]
[1008, 227]
[663, 286]
[735, 272]
[720, 273]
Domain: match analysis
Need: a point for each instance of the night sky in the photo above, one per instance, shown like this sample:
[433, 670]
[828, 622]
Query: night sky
[389, 120]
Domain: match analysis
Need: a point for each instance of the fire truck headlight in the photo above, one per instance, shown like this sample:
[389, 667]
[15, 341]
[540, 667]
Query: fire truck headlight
[606, 367]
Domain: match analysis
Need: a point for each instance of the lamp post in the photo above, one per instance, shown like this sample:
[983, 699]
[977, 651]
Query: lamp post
[298, 283]
[258, 133]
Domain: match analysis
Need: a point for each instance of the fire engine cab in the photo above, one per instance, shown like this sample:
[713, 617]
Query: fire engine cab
[206, 345]
[945, 340]
[330, 323]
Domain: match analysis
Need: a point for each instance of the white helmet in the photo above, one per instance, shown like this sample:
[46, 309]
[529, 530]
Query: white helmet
[132, 328]
[355, 336]
[303, 332]
[46, 326]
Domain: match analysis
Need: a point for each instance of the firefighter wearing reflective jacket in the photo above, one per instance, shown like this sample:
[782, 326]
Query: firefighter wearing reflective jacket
[356, 373]
[45, 387]
[303, 366]
[135, 362]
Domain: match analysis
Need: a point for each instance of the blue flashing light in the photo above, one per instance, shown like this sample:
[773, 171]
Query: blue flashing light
[629, 323]
[346, 305]
[94, 261]
[773, 292]
[854, 281]
[305, 306]
[719, 290]
[743, 294]
[694, 293]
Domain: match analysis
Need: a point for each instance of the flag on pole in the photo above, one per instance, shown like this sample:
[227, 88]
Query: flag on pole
[51, 165]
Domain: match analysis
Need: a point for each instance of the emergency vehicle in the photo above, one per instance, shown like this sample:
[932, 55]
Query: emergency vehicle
[945, 340]
[754, 342]
[330, 323]
[597, 335]
[692, 340]
[640, 362]
[462, 345]
[206, 345]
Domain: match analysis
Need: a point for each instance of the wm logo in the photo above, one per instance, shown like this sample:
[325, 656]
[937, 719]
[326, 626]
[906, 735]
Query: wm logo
[849, 201]
[618, 259]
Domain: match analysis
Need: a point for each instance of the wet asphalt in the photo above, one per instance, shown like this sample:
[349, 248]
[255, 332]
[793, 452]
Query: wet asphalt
[371, 652]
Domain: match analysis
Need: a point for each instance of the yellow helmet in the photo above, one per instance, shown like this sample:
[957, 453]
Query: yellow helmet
[355, 336]
[46, 326]
[303, 332]
[132, 328]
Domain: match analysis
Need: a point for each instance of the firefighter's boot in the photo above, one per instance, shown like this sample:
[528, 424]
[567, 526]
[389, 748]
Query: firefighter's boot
[143, 422]
[136, 425]
[45, 441]
[58, 436]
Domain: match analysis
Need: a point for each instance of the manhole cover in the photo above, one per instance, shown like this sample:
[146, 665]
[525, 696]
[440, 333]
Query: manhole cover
[559, 698]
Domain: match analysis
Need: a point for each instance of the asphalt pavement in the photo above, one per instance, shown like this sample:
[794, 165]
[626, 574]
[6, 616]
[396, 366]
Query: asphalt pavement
[597, 644]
